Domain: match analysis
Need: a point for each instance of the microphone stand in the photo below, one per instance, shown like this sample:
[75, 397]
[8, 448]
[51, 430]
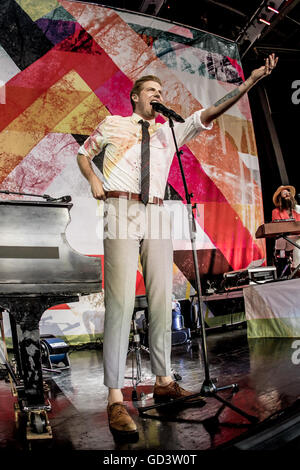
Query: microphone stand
[209, 388]
[44, 196]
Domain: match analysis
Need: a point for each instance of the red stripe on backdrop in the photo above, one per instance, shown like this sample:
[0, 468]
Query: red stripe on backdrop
[227, 232]
[60, 307]
[217, 212]
[140, 288]
[237, 66]
[197, 180]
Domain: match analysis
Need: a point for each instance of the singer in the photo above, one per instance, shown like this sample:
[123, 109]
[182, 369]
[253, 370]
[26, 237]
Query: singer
[137, 156]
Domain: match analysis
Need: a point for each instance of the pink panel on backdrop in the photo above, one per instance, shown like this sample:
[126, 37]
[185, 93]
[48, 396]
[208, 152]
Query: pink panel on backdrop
[237, 66]
[114, 94]
[197, 180]
[223, 233]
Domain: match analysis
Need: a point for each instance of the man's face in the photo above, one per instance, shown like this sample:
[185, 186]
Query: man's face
[285, 194]
[151, 91]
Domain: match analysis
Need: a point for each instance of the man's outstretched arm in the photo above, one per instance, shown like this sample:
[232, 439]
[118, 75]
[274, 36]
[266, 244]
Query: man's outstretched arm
[235, 95]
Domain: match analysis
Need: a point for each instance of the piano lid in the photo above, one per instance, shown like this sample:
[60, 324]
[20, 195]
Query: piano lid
[35, 256]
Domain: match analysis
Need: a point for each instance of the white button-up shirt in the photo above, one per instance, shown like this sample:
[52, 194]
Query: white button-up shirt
[121, 138]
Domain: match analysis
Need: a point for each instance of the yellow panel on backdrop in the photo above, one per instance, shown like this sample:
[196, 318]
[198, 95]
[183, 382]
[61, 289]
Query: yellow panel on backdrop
[39, 119]
[37, 8]
[240, 131]
[84, 118]
[15, 146]
[52, 106]
[71, 81]
[48, 110]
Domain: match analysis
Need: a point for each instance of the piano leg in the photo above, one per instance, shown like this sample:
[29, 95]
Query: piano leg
[25, 313]
[13, 327]
[25, 316]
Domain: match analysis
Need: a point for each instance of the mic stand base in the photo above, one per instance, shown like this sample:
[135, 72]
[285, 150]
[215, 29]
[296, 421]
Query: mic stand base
[208, 389]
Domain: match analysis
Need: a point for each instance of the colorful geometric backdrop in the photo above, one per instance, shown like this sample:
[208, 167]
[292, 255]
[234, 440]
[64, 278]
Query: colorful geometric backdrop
[66, 65]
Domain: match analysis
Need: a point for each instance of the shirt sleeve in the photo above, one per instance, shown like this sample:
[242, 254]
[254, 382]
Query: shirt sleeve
[190, 128]
[96, 142]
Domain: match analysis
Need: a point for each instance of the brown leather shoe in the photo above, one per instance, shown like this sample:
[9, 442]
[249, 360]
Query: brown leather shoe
[173, 391]
[120, 422]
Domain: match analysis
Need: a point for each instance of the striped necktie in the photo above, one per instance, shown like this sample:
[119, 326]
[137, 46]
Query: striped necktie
[145, 161]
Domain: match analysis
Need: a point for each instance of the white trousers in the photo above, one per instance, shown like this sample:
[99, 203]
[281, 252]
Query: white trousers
[132, 229]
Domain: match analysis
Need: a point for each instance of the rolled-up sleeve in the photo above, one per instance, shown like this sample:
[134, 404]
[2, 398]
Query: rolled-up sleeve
[95, 143]
[190, 128]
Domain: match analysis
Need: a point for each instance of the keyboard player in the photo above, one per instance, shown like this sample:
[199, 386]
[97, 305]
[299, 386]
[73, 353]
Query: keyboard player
[286, 209]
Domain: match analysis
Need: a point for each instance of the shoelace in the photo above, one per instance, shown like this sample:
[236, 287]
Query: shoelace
[118, 409]
[176, 387]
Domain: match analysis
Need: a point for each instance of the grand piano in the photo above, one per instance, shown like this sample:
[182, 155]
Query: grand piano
[38, 269]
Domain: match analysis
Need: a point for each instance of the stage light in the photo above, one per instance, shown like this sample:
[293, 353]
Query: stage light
[262, 19]
[273, 10]
[270, 7]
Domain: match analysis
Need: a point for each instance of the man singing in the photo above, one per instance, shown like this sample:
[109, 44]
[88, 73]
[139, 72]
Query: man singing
[137, 159]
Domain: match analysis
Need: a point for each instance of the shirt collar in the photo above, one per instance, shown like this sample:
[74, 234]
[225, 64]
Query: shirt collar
[136, 118]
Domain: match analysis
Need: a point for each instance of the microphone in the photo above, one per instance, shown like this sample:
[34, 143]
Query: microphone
[63, 199]
[58, 199]
[169, 113]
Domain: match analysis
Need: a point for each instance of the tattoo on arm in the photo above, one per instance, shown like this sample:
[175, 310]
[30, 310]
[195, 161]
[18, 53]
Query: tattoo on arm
[227, 97]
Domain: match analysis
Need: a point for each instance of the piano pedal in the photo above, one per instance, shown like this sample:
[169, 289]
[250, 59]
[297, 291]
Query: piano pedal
[13, 390]
[17, 414]
[16, 389]
[38, 425]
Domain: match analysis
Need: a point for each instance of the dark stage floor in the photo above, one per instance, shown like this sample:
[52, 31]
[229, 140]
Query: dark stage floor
[263, 368]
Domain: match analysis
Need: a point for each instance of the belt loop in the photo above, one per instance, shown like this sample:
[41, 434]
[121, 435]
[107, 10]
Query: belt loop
[129, 198]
